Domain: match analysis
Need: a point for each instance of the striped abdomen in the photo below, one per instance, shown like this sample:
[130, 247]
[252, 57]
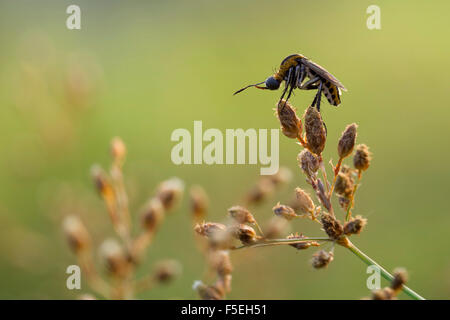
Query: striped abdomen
[332, 93]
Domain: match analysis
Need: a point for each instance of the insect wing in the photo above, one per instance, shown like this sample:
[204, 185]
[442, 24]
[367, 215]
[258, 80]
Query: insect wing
[323, 73]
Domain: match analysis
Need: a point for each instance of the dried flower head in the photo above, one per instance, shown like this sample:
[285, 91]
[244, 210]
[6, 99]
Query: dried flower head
[118, 149]
[152, 215]
[308, 162]
[291, 125]
[244, 233]
[223, 283]
[383, 294]
[362, 157]
[400, 278]
[355, 225]
[207, 292]
[114, 257]
[263, 189]
[241, 215]
[199, 202]
[344, 185]
[301, 245]
[332, 227]
[209, 229]
[283, 176]
[284, 211]
[102, 183]
[305, 202]
[220, 261]
[316, 135]
[170, 192]
[166, 270]
[76, 233]
[347, 141]
[321, 259]
[217, 233]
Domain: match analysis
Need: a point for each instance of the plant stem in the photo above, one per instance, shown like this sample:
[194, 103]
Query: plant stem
[369, 261]
[274, 242]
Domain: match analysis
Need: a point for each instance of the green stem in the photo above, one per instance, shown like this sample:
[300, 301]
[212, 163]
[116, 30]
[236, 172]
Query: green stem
[369, 261]
[274, 242]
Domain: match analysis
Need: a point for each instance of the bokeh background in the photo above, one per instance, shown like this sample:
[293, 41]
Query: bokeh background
[140, 69]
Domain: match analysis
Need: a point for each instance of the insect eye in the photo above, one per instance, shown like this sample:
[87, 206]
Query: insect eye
[272, 83]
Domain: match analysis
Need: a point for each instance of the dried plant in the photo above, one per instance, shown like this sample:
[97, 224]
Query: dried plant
[311, 134]
[122, 256]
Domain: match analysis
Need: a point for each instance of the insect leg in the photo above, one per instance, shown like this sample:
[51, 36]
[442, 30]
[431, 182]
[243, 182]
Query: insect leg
[309, 82]
[318, 96]
[288, 80]
[319, 93]
[293, 83]
[302, 76]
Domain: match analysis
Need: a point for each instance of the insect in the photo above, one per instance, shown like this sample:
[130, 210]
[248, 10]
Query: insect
[294, 70]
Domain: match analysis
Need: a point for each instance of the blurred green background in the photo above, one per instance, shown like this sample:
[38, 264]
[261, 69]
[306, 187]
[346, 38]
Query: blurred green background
[140, 69]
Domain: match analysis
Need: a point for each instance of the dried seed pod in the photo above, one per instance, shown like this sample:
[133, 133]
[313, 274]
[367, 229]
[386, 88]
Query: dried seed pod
[217, 233]
[209, 229]
[102, 183]
[305, 202]
[76, 233]
[283, 176]
[321, 259]
[208, 292]
[118, 149]
[344, 185]
[166, 270]
[275, 227]
[284, 211]
[332, 227]
[199, 202]
[316, 134]
[241, 215]
[223, 283]
[152, 215]
[244, 233]
[400, 278]
[383, 294]
[115, 259]
[263, 189]
[301, 245]
[355, 225]
[220, 261]
[362, 157]
[308, 162]
[170, 192]
[291, 125]
[347, 141]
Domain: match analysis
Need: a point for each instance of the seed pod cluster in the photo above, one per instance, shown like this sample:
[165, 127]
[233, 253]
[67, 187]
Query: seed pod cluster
[316, 134]
[308, 162]
[347, 141]
[362, 157]
[321, 259]
[355, 225]
[283, 211]
[332, 227]
[291, 125]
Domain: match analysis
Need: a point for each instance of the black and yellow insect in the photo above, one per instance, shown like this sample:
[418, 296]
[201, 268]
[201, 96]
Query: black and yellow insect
[294, 69]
